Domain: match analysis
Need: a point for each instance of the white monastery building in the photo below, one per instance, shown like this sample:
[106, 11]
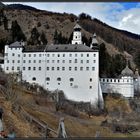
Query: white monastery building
[73, 68]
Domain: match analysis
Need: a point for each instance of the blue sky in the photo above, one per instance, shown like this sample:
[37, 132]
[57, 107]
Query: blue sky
[121, 15]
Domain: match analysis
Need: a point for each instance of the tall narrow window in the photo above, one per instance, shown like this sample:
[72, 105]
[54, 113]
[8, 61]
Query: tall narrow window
[75, 61]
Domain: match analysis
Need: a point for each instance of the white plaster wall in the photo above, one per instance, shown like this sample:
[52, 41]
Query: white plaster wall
[124, 86]
[27, 74]
[80, 91]
[9, 57]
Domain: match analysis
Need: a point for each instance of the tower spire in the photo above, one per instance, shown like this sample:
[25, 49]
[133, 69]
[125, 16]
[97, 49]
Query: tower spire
[94, 43]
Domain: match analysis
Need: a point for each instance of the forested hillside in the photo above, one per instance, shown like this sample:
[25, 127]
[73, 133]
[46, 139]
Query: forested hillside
[36, 27]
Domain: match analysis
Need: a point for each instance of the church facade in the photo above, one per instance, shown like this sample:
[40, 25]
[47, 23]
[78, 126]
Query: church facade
[73, 68]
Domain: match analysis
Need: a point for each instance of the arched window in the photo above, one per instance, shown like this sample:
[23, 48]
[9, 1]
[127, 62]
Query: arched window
[34, 79]
[58, 79]
[71, 79]
[47, 78]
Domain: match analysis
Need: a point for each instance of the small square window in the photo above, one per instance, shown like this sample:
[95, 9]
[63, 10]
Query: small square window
[81, 55]
[63, 68]
[75, 68]
[70, 55]
[24, 55]
[34, 55]
[39, 61]
[29, 68]
[70, 61]
[39, 55]
[29, 55]
[53, 55]
[18, 68]
[18, 61]
[39, 68]
[47, 68]
[87, 55]
[63, 55]
[34, 61]
[57, 68]
[53, 61]
[29, 61]
[87, 68]
[94, 61]
[87, 61]
[24, 61]
[13, 61]
[13, 54]
[93, 68]
[90, 79]
[7, 68]
[94, 55]
[23, 68]
[7, 61]
[81, 68]
[63, 61]
[58, 61]
[90, 87]
[70, 68]
[52, 68]
[81, 61]
[47, 61]
[34, 68]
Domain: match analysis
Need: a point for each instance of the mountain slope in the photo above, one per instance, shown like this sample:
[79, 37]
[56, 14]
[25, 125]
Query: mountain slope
[28, 18]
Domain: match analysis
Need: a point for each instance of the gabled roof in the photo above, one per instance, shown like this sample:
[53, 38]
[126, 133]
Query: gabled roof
[16, 44]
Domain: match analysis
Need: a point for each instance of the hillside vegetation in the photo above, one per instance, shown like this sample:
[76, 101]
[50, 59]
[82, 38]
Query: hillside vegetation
[21, 22]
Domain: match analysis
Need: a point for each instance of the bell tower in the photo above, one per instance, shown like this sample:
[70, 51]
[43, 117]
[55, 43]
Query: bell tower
[77, 37]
